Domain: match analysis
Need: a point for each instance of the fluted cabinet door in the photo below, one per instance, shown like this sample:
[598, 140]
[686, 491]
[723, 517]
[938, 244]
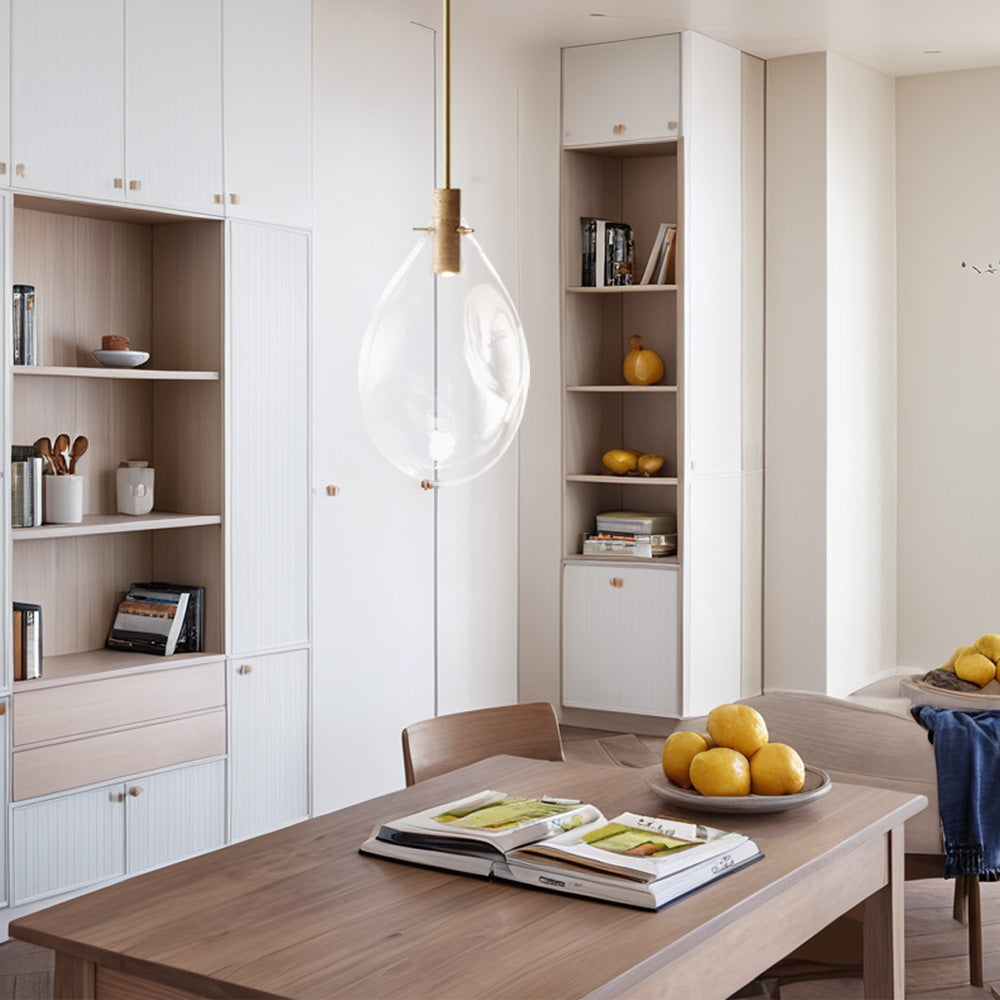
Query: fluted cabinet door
[175, 814]
[269, 741]
[68, 842]
[269, 433]
[173, 104]
[67, 100]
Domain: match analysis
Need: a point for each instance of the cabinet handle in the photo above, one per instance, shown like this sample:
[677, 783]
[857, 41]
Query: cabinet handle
[426, 485]
[135, 791]
[332, 491]
[3, 708]
[217, 199]
[671, 126]
[234, 199]
[19, 170]
[117, 796]
[3, 168]
[616, 581]
[245, 668]
[118, 183]
[619, 129]
[135, 185]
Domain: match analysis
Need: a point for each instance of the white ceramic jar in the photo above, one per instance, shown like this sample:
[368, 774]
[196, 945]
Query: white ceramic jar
[134, 487]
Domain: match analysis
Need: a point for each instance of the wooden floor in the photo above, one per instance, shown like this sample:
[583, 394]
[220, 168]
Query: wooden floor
[936, 959]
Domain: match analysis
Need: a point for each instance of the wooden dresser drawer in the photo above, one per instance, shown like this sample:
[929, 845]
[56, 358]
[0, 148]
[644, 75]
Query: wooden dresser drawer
[90, 759]
[56, 712]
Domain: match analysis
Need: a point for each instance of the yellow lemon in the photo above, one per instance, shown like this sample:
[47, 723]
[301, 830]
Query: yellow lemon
[619, 461]
[721, 771]
[950, 665]
[678, 750]
[988, 645]
[975, 667]
[776, 769]
[738, 727]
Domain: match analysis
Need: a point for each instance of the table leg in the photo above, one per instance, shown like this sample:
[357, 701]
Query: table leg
[74, 978]
[884, 958]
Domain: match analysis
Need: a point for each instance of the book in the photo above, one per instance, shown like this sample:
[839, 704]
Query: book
[638, 546]
[145, 624]
[636, 522]
[666, 266]
[27, 621]
[191, 636]
[637, 860]
[25, 344]
[607, 253]
[654, 254]
[26, 486]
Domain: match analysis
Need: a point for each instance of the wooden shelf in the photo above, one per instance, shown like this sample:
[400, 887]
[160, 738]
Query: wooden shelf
[656, 562]
[611, 480]
[622, 388]
[74, 668]
[141, 374]
[620, 289]
[114, 524]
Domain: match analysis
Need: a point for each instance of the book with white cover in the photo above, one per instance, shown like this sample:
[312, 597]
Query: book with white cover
[144, 624]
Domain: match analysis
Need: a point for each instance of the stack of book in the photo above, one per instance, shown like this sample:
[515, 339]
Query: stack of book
[25, 343]
[150, 621]
[632, 534]
[25, 486]
[661, 268]
[608, 256]
[27, 641]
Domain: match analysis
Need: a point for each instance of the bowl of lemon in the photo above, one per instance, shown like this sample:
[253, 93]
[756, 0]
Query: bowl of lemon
[734, 767]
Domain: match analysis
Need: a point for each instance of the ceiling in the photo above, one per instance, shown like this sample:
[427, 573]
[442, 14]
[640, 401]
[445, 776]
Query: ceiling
[897, 37]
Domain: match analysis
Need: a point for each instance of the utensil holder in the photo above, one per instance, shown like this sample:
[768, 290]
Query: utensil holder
[134, 487]
[62, 499]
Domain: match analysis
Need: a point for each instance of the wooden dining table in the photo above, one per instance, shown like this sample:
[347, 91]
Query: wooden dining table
[300, 913]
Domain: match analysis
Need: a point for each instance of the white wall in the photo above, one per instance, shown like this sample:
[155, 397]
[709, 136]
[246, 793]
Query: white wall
[948, 177]
[829, 576]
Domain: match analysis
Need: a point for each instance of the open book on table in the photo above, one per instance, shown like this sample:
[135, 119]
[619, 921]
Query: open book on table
[564, 846]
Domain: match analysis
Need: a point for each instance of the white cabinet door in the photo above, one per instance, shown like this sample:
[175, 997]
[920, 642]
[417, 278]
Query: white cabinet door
[175, 814]
[67, 99]
[5, 166]
[269, 438]
[268, 110]
[268, 748]
[68, 842]
[4, 745]
[173, 78]
[617, 92]
[620, 639]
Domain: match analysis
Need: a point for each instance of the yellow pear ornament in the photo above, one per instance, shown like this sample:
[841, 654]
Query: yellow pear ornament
[642, 366]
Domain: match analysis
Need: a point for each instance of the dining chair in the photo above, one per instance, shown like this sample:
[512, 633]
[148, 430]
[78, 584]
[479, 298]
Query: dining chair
[441, 744]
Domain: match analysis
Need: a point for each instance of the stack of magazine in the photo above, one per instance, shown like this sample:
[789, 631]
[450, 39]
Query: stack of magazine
[566, 847]
[632, 533]
[159, 618]
[607, 255]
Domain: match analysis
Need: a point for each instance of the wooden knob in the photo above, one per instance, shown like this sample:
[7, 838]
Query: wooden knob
[135, 185]
[332, 491]
[19, 169]
[3, 708]
[245, 668]
[619, 129]
[117, 796]
[234, 199]
[616, 581]
[135, 791]
[217, 198]
[118, 183]
[426, 484]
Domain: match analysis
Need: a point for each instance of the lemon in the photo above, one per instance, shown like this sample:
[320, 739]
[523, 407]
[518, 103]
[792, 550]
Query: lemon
[720, 771]
[950, 665]
[678, 750]
[738, 727]
[988, 645]
[619, 461]
[975, 667]
[776, 769]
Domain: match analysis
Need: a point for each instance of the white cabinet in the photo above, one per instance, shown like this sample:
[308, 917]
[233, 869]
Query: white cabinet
[67, 97]
[71, 841]
[173, 104]
[269, 425]
[5, 75]
[616, 92]
[119, 100]
[620, 639]
[269, 742]
[268, 101]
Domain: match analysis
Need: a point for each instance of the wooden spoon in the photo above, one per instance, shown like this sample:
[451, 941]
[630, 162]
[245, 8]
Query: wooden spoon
[43, 447]
[80, 445]
[59, 449]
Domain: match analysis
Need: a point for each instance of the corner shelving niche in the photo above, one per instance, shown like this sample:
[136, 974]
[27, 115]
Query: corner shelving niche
[159, 280]
[637, 184]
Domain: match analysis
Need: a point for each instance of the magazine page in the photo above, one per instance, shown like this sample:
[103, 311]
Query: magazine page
[498, 818]
[640, 848]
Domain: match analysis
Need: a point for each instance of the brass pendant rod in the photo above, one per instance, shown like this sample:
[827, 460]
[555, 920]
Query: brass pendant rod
[446, 97]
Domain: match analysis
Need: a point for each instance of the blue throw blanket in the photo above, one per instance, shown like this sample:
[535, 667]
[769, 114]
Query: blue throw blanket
[967, 756]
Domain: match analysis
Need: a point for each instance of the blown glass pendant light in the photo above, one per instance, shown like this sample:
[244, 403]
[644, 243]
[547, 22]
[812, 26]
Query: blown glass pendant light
[444, 373]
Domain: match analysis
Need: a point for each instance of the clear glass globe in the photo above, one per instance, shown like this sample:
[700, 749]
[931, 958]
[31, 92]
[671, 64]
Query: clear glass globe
[443, 373]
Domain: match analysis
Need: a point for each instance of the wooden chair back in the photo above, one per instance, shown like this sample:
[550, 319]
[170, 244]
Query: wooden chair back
[447, 742]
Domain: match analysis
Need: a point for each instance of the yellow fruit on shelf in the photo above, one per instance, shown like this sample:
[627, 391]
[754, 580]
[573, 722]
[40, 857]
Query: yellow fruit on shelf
[720, 771]
[988, 645]
[739, 727]
[975, 667]
[649, 465]
[620, 461]
[642, 366]
[776, 769]
[678, 751]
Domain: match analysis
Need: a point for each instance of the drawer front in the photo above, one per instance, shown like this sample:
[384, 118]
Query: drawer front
[86, 761]
[72, 709]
